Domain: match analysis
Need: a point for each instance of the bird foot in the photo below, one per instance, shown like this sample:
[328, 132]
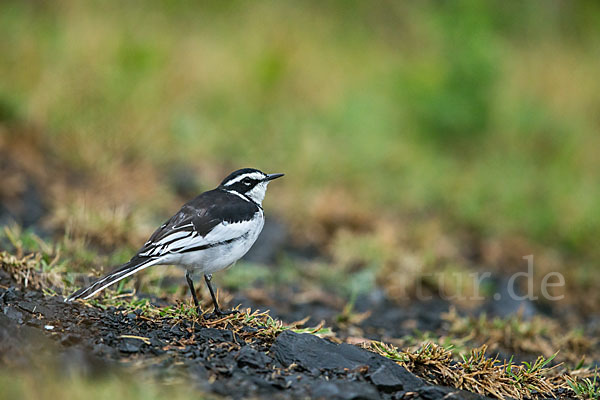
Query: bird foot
[219, 313]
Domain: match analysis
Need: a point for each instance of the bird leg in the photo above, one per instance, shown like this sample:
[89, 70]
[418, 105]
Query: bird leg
[190, 283]
[217, 311]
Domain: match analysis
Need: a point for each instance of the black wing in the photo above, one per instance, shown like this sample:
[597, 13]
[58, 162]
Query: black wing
[196, 219]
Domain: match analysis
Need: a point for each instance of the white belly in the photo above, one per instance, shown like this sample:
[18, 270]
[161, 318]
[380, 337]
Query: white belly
[221, 256]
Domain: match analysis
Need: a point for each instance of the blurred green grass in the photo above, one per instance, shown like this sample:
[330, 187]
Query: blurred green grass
[482, 113]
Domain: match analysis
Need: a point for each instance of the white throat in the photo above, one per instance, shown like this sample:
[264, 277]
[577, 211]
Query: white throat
[257, 194]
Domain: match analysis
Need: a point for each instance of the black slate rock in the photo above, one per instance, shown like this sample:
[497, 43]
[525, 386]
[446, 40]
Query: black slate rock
[12, 313]
[130, 346]
[446, 393]
[215, 335]
[247, 356]
[342, 390]
[385, 379]
[311, 352]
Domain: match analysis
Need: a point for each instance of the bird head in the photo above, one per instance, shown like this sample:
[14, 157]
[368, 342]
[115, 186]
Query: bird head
[249, 182]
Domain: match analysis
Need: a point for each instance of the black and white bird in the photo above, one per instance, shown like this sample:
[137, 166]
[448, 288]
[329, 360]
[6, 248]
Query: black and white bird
[208, 234]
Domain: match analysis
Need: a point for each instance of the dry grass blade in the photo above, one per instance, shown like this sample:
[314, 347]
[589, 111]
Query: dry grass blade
[26, 271]
[142, 338]
[475, 372]
[517, 334]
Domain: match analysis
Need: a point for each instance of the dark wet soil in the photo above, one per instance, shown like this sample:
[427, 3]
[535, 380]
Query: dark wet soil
[236, 363]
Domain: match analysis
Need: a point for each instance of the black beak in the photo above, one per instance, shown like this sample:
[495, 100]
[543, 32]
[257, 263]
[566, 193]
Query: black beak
[270, 177]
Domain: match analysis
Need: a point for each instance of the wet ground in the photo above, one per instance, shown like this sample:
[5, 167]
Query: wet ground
[218, 356]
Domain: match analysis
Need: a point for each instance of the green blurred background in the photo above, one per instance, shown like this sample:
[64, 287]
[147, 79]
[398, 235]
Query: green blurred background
[400, 125]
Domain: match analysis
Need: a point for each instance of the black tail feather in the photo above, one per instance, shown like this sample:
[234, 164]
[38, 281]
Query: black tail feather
[134, 265]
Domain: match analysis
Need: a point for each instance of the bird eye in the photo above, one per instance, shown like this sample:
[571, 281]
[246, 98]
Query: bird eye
[247, 181]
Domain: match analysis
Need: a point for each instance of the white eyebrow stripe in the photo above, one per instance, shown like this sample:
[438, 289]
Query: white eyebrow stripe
[251, 175]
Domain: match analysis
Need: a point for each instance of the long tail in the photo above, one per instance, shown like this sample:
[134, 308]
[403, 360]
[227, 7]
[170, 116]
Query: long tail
[129, 268]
